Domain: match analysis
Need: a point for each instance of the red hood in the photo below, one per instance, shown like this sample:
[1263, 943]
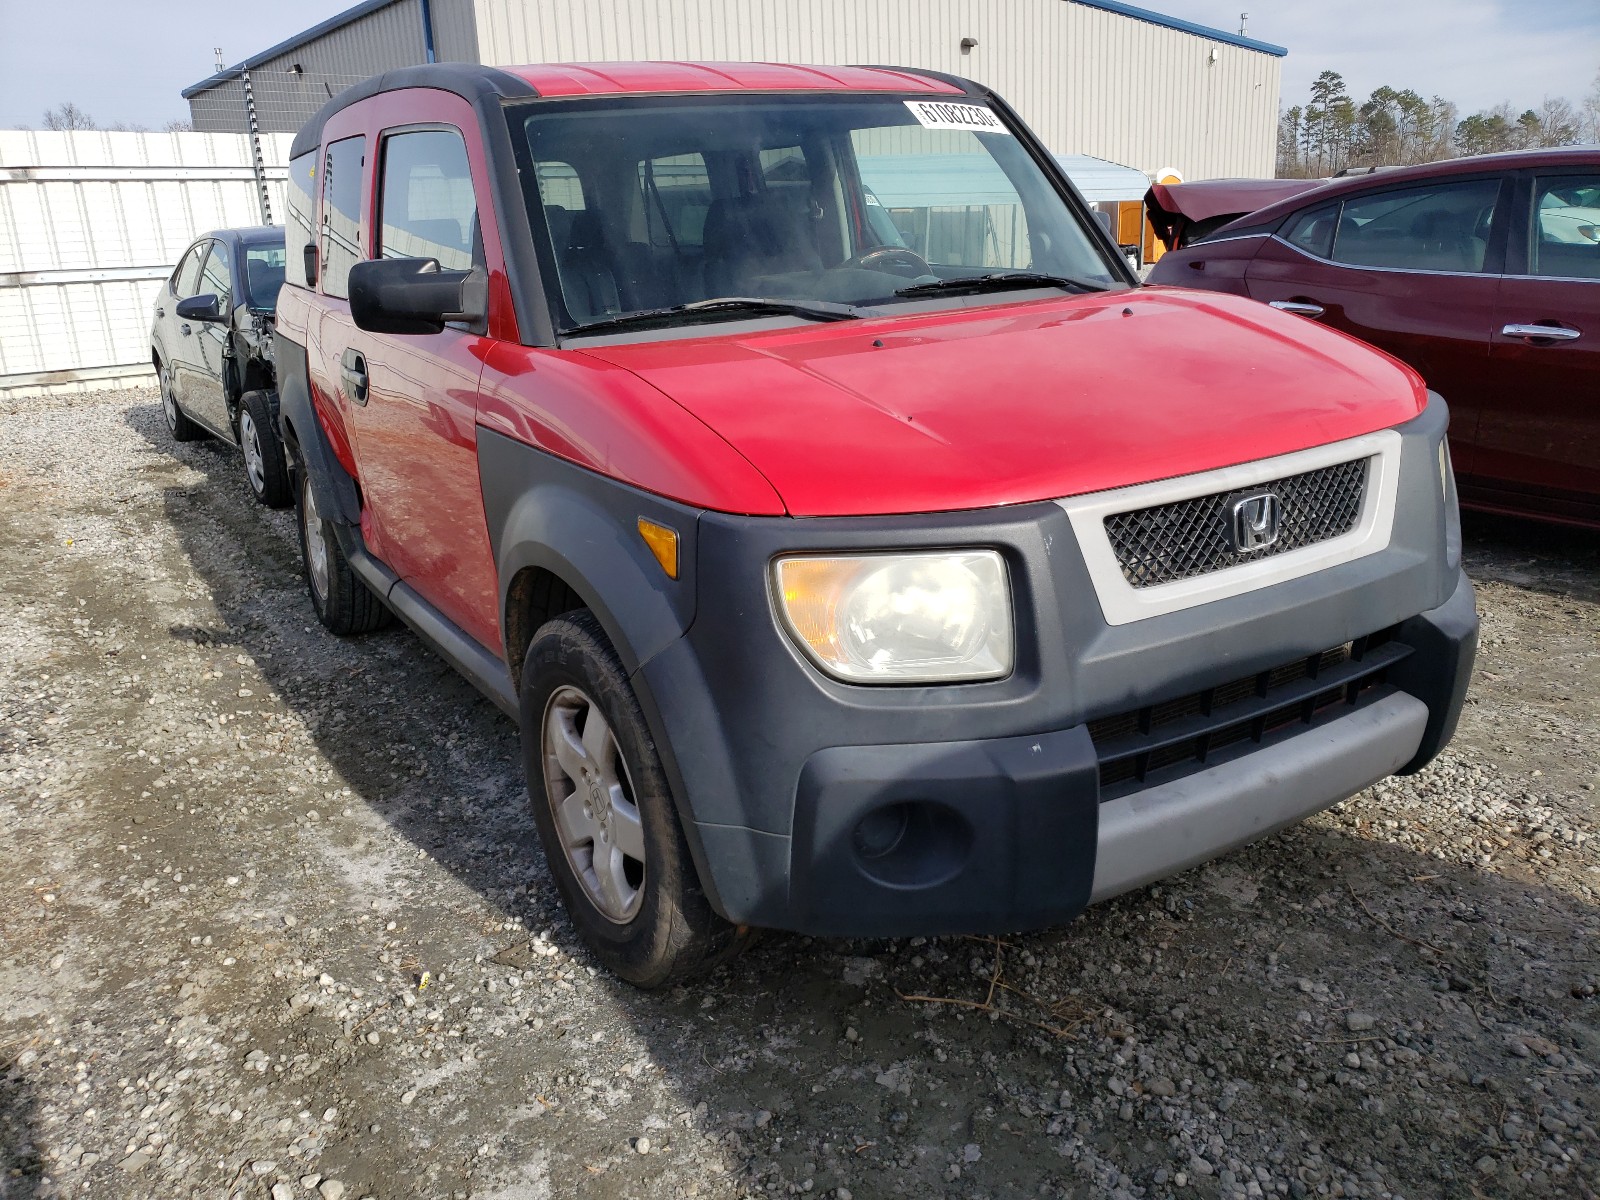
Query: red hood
[1024, 402]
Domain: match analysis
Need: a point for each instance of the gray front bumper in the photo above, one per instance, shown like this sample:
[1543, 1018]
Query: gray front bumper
[1166, 828]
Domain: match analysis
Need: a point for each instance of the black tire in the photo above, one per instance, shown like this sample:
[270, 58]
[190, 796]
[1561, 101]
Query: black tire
[674, 935]
[179, 425]
[266, 469]
[343, 603]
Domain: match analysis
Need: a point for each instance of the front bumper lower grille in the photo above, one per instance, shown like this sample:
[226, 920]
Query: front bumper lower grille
[1172, 542]
[1163, 741]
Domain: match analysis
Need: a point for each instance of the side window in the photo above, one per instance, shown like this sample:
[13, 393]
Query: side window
[1439, 227]
[341, 213]
[427, 209]
[1566, 227]
[559, 184]
[1313, 231]
[676, 196]
[929, 182]
[300, 227]
[216, 277]
[187, 275]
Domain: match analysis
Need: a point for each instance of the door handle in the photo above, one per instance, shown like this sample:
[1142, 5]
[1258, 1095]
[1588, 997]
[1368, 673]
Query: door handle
[1548, 333]
[185, 330]
[1299, 308]
[161, 312]
[353, 370]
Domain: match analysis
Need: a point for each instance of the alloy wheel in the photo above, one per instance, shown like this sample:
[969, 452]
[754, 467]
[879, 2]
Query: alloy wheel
[593, 803]
[316, 544]
[254, 464]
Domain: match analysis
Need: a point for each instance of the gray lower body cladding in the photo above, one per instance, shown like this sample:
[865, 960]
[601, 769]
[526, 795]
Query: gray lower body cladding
[827, 808]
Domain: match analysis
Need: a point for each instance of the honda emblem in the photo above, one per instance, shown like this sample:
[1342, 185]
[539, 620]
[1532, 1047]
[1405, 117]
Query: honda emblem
[1254, 521]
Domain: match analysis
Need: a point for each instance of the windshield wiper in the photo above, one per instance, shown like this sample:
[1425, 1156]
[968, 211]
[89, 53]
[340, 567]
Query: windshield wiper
[1000, 281]
[815, 310]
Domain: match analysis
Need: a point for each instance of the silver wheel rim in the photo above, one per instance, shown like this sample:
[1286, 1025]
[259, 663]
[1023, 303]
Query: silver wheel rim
[316, 546]
[168, 404]
[593, 803]
[250, 438]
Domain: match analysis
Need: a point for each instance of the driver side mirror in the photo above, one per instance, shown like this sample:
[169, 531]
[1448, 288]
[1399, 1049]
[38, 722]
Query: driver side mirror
[414, 295]
[205, 308]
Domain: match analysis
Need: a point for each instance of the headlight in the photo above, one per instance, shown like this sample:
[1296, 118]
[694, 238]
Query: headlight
[900, 618]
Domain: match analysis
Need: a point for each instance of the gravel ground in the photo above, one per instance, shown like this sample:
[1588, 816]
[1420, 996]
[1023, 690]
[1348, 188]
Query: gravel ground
[274, 923]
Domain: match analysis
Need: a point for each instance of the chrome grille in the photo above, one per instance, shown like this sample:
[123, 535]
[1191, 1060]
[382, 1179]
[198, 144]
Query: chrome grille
[1186, 538]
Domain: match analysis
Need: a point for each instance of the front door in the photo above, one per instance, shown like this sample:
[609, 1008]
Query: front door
[417, 431]
[1541, 434]
[206, 347]
[1412, 270]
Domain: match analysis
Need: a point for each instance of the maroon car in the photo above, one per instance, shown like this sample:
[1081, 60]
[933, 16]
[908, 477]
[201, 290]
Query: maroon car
[1483, 274]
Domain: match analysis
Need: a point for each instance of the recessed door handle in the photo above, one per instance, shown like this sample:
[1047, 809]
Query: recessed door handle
[185, 330]
[353, 370]
[1548, 333]
[1299, 308]
[161, 312]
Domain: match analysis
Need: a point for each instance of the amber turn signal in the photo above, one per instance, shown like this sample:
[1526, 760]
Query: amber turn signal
[663, 543]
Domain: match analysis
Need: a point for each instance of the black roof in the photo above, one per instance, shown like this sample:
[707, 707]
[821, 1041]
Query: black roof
[473, 83]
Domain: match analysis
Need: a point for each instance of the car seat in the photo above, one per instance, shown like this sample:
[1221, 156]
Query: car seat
[588, 283]
[749, 237]
[264, 281]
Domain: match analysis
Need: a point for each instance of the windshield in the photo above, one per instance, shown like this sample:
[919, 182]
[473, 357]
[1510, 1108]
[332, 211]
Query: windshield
[641, 205]
[263, 274]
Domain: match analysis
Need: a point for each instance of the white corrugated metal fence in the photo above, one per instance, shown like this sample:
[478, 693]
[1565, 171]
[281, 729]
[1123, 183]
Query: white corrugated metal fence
[90, 223]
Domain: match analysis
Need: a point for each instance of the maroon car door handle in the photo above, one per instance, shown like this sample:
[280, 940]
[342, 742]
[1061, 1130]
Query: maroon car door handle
[1300, 308]
[1542, 333]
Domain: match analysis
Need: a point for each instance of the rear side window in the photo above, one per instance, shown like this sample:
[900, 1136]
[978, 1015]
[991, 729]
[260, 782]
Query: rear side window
[341, 213]
[427, 209]
[300, 227]
[1441, 227]
[1313, 231]
[216, 277]
[1566, 227]
[187, 275]
[950, 201]
[676, 194]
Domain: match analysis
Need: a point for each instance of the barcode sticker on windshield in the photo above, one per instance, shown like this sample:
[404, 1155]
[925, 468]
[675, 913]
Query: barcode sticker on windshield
[941, 114]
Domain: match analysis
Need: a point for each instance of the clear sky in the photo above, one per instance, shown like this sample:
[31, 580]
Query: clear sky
[127, 60]
[1475, 52]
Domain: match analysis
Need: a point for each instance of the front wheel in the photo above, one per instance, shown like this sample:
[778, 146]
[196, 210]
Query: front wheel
[342, 602]
[605, 813]
[264, 465]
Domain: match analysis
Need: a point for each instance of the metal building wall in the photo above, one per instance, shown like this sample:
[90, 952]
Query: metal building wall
[1089, 81]
[90, 224]
[379, 41]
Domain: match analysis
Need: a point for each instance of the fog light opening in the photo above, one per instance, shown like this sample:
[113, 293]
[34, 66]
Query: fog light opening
[881, 831]
[912, 844]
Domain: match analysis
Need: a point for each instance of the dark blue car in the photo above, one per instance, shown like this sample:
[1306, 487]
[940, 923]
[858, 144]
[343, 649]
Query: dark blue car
[211, 343]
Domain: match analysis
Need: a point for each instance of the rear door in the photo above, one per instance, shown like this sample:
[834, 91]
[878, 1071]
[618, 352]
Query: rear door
[1412, 269]
[1540, 434]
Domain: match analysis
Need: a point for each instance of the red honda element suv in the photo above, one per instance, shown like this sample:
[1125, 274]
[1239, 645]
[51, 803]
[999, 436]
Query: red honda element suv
[861, 549]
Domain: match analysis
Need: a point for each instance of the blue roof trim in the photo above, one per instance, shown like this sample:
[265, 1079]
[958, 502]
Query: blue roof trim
[283, 47]
[1205, 31]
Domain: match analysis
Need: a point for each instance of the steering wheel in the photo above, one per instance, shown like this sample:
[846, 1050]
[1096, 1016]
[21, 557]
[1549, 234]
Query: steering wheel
[890, 254]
